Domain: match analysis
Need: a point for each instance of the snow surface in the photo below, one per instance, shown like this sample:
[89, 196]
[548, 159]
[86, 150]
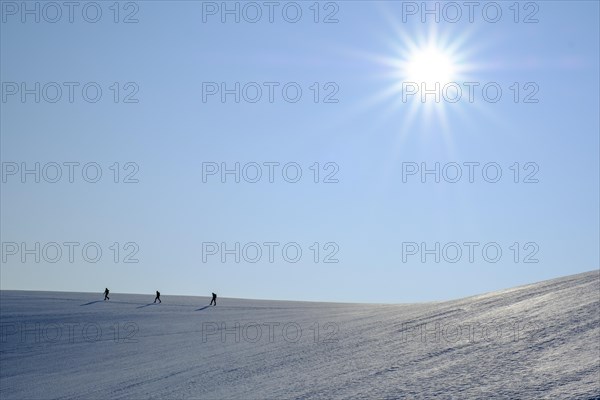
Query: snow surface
[536, 341]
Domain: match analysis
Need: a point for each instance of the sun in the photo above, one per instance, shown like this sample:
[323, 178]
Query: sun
[420, 73]
[430, 65]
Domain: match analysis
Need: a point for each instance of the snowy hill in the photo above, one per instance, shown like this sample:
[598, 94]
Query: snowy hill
[531, 342]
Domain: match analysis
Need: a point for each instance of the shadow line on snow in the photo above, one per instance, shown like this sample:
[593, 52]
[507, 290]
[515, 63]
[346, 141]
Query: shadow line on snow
[203, 308]
[92, 302]
[147, 305]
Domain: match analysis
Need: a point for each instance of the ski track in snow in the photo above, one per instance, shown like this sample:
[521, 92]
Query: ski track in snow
[542, 342]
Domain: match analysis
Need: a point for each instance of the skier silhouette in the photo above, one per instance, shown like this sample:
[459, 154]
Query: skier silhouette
[157, 297]
[106, 294]
[214, 300]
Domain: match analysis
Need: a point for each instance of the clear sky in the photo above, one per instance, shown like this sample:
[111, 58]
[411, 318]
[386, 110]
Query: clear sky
[369, 130]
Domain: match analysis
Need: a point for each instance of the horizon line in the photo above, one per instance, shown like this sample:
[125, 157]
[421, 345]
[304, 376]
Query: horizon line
[597, 271]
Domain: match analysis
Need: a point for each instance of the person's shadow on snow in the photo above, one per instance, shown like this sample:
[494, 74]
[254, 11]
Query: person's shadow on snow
[203, 308]
[147, 305]
[92, 302]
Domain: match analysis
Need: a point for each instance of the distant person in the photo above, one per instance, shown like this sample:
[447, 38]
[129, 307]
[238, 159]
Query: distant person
[214, 300]
[106, 294]
[157, 297]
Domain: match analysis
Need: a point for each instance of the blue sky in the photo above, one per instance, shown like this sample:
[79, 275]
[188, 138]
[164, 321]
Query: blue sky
[369, 218]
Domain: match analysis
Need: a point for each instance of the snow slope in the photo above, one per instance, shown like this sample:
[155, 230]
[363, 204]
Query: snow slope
[536, 341]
